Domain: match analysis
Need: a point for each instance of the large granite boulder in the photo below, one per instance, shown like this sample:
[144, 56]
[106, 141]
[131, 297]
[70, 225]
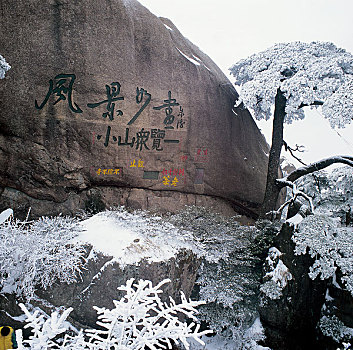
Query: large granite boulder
[99, 283]
[108, 104]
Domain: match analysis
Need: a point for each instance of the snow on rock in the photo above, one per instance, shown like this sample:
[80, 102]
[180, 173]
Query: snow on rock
[189, 58]
[194, 59]
[130, 238]
[4, 67]
[5, 215]
[295, 220]
[168, 27]
[121, 245]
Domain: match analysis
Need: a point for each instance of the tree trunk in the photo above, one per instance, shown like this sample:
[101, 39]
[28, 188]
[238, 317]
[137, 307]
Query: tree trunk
[272, 190]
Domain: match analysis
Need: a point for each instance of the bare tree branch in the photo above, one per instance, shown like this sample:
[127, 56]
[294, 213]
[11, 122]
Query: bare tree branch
[321, 164]
[315, 103]
[296, 193]
[292, 150]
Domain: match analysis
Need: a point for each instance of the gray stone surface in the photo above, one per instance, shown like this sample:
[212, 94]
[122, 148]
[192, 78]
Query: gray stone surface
[102, 276]
[50, 154]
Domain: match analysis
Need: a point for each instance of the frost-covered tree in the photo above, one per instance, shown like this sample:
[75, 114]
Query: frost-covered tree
[290, 77]
[4, 67]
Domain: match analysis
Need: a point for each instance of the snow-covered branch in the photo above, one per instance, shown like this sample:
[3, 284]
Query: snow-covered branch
[296, 193]
[310, 168]
[288, 181]
[141, 319]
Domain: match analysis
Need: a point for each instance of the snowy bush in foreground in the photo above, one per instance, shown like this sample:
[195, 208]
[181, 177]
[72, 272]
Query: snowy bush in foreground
[138, 321]
[35, 254]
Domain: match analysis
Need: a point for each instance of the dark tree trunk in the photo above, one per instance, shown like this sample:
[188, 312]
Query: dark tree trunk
[272, 190]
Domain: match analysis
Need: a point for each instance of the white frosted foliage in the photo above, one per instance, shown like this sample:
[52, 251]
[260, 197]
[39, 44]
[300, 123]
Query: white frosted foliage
[36, 254]
[138, 321]
[324, 239]
[306, 73]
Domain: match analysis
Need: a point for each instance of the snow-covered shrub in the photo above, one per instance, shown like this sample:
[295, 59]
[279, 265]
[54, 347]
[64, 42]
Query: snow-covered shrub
[35, 254]
[264, 240]
[334, 328]
[277, 275]
[332, 193]
[140, 320]
[4, 67]
[44, 330]
[229, 275]
[323, 238]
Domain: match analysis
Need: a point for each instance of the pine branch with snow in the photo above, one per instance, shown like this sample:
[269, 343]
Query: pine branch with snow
[330, 244]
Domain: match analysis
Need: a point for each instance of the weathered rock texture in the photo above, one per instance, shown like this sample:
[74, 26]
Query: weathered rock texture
[290, 322]
[105, 95]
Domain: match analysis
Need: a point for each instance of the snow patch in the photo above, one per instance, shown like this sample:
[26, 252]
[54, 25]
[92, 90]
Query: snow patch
[197, 58]
[20, 318]
[4, 67]
[295, 220]
[105, 234]
[129, 238]
[168, 27]
[327, 296]
[189, 58]
[5, 215]
[234, 112]
[249, 340]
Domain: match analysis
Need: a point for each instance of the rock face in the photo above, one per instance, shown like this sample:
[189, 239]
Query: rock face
[99, 283]
[108, 104]
[290, 322]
